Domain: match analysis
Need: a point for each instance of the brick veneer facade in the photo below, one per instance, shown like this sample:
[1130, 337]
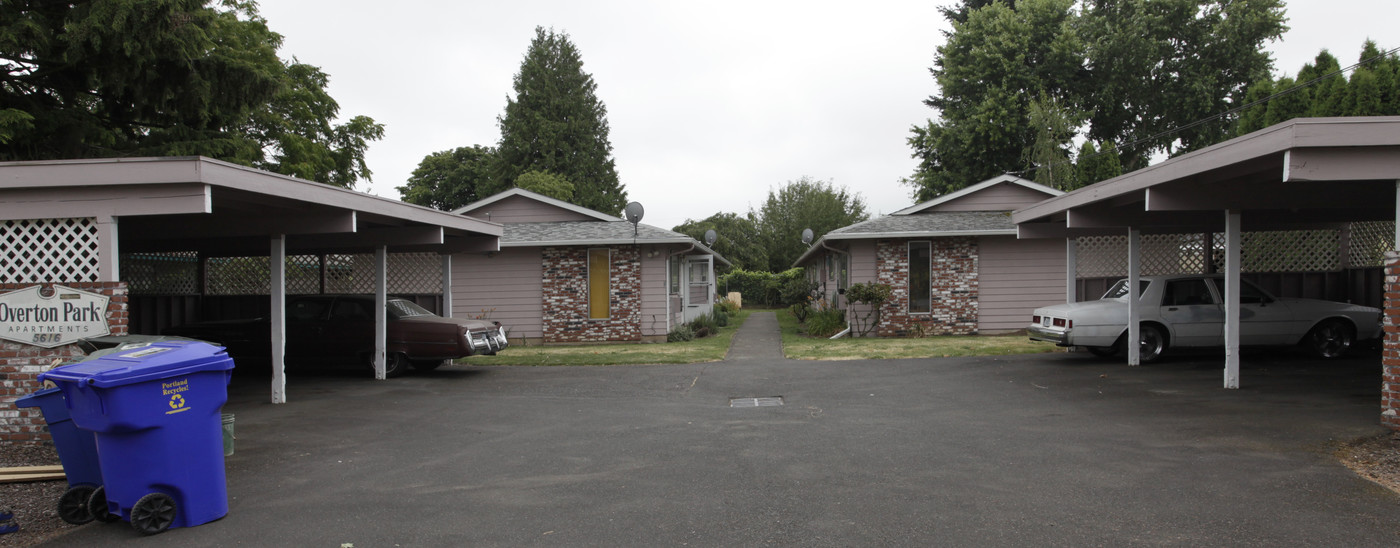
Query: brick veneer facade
[954, 280]
[1390, 358]
[21, 364]
[565, 281]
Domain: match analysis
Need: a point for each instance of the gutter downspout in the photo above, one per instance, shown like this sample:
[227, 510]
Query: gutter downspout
[846, 331]
[668, 282]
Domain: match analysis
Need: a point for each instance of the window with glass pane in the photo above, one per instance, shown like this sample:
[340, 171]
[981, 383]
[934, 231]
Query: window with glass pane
[599, 271]
[920, 270]
[675, 275]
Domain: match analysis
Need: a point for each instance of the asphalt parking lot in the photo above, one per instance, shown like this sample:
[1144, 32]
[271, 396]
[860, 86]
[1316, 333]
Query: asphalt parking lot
[1046, 450]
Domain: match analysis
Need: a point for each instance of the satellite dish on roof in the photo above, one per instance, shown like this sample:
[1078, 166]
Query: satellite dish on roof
[710, 237]
[633, 212]
[807, 236]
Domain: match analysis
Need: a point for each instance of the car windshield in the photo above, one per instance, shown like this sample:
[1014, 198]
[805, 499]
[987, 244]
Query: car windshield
[399, 308]
[1120, 289]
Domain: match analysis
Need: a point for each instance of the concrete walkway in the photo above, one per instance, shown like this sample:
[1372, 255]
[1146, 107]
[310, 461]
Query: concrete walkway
[759, 339]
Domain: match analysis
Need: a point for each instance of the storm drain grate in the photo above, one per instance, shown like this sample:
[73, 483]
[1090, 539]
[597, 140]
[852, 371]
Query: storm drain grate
[771, 401]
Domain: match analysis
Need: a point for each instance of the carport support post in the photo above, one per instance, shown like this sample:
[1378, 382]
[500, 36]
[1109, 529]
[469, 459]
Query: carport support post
[1232, 299]
[1134, 331]
[108, 256]
[1071, 269]
[381, 303]
[278, 289]
[446, 311]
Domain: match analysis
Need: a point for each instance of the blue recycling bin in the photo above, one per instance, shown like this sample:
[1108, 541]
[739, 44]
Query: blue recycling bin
[77, 450]
[155, 411]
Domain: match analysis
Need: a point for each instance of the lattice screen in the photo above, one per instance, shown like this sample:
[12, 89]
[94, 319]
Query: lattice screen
[409, 273]
[1273, 251]
[45, 250]
[161, 273]
[1369, 242]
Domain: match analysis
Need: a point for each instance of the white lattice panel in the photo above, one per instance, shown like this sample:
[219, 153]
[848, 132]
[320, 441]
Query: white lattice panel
[409, 273]
[1369, 242]
[1160, 254]
[161, 273]
[1288, 251]
[49, 250]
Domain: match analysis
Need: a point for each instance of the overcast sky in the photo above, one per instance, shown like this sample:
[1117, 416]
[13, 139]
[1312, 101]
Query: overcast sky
[711, 104]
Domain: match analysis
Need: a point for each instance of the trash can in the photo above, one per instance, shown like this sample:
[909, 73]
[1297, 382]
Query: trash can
[155, 411]
[77, 450]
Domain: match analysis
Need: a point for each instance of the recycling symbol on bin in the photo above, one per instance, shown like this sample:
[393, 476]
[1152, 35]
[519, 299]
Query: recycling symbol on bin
[177, 401]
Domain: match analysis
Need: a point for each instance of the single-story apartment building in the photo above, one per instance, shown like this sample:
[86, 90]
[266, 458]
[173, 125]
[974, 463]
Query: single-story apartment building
[569, 274]
[954, 263]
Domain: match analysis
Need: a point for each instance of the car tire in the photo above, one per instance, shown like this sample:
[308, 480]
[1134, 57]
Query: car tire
[395, 365]
[1152, 343]
[1330, 339]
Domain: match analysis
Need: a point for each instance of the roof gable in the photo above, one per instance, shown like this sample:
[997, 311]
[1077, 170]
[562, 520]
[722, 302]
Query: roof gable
[520, 205]
[1000, 193]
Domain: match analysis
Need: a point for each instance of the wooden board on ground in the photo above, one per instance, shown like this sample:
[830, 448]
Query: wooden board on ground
[18, 474]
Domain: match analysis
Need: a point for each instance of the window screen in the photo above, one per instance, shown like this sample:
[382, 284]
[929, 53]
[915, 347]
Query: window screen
[599, 271]
[920, 268]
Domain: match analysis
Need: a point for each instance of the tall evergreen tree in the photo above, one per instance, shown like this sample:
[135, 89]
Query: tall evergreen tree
[556, 124]
[91, 79]
[1320, 90]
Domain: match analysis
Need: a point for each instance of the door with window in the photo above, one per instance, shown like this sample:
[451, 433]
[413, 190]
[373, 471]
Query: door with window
[696, 287]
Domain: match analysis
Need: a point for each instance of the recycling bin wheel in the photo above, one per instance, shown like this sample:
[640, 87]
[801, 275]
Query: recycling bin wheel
[153, 514]
[97, 506]
[73, 505]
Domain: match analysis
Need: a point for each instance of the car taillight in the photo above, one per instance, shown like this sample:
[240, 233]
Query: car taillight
[1035, 319]
[1060, 322]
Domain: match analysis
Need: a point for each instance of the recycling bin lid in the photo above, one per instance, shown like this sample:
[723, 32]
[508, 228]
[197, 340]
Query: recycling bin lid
[139, 363]
[37, 398]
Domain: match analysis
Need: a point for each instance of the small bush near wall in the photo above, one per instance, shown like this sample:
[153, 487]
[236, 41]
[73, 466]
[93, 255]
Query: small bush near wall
[826, 322]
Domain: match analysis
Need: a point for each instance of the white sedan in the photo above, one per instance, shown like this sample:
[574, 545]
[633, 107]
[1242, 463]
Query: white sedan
[1186, 311]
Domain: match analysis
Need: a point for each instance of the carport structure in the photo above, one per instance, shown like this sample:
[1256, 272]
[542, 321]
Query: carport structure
[74, 220]
[1301, 174]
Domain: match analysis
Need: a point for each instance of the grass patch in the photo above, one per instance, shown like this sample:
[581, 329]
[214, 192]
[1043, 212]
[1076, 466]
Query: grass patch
[708, 349]
[798, 346]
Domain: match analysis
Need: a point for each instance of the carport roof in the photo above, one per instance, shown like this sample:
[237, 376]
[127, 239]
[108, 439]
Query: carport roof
[215, 207]
[1300, 173]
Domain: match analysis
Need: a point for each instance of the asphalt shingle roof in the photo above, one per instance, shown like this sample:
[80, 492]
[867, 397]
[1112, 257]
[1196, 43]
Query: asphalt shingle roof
[931, 223]
[584, 232]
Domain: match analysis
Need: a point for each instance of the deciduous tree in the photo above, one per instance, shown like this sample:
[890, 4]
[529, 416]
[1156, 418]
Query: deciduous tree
[105, 78]
[738, 239]
[450, 179]
[800, 204]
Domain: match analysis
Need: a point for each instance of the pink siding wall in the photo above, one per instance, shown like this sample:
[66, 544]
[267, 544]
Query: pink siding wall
[654, 288]
[505, 287]
[1018, 276]
[1002, 197]
[517, 209]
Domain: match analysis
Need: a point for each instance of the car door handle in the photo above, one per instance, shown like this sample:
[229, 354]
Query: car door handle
[1172, 309]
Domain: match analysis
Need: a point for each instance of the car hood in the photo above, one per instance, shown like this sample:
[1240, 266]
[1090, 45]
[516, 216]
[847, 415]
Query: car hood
[474, 325]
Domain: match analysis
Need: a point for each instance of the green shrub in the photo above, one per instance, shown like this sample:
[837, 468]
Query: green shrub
[825, 323]
[681, 333]
[721, 319]
[800, 311]
[766, 288]
[796, 289]
[704, 326]
[727, 306]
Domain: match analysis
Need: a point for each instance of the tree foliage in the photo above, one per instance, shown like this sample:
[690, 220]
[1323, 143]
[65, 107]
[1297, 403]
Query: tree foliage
[449, 179]
[548, 184]
[1013, 74]
[1372, 90]
[556, 124]
[738, 239]
[804, 203]
[110, 78]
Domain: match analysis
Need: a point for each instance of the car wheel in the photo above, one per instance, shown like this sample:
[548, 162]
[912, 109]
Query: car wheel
[395, 365]
[429, 365]
[1330, 339]
[1151, 343]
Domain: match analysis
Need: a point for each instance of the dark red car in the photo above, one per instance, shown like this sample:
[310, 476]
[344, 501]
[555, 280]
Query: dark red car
[340, 328]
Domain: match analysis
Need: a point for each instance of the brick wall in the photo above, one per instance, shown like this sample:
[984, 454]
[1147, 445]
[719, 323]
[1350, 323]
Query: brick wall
[954, 279]
[21, 364]
[565, 305]
[1390, 358]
